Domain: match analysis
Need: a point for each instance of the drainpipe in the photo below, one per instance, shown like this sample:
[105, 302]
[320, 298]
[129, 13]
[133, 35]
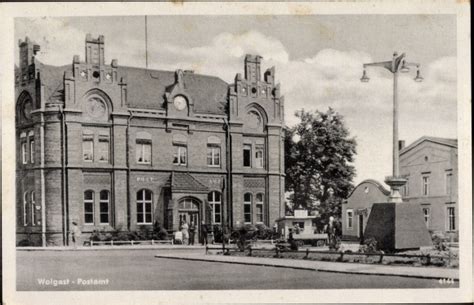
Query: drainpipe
[229, 174]
[129, 197]
[43, 193]
[63, 176]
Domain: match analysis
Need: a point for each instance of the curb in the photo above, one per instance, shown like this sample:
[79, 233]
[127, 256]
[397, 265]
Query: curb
[302, 268]
[113, 248]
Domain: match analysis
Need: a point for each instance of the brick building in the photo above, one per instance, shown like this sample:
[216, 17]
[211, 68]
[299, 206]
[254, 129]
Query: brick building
[120, 148]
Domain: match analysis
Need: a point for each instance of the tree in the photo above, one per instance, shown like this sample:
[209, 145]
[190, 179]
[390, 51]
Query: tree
[318, 156]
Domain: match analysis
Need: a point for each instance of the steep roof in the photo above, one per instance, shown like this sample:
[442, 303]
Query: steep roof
[52, 79]
[442, 141]
[181, 181]
[146, 88]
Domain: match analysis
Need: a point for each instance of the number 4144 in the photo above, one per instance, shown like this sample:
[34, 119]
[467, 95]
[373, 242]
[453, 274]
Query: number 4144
[446, 281]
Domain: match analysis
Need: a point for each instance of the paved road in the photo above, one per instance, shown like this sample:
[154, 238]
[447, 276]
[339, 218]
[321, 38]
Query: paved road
[140, 270]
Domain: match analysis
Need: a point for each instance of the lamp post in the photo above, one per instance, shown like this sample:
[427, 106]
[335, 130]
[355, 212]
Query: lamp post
[395, 66]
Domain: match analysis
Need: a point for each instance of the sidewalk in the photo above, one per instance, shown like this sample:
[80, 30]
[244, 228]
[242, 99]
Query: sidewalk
[108, 247]
[353, 268]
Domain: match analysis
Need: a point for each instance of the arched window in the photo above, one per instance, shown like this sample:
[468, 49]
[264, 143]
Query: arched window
[259, 207]
[214, 199]
[89, 207]
[33, 209]
[25, 208]
[104, 207]
[188, 204]
[247, 208]
[144, 204]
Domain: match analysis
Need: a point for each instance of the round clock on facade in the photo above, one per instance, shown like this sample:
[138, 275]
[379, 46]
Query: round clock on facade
[179, 102]
[95, 107]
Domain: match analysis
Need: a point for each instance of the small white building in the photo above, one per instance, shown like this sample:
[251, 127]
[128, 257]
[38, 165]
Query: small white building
[303, 227]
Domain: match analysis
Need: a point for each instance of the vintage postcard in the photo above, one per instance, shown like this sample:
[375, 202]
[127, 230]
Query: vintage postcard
[191, 152]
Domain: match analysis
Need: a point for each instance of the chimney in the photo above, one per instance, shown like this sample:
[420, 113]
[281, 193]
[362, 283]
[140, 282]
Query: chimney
[28, 50]
[252, 67]
[95, 50]
[401, 144]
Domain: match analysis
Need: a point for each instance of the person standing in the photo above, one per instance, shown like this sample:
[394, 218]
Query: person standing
[185, 231]
[192, 231]
[204, 233]
[75, 234]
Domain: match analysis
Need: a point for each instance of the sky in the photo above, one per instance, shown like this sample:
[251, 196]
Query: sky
[318, 61]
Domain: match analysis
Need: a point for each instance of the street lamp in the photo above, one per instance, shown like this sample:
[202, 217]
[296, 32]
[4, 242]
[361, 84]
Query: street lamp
[396, 65]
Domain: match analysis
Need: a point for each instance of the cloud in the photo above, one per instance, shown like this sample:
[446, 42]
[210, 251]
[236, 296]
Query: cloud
[58, 41]
[331, 78]
[328, 78]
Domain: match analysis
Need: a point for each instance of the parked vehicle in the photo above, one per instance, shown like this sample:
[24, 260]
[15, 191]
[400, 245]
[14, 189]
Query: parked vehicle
[303, 229]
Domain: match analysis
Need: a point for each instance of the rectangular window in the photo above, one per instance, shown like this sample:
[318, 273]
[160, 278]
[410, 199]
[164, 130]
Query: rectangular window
[259, 156]
[259, 212]
[247, 155]
[214, 199]
[350, 215]
[103, 149]
[88, 149]
[88, 207]
[213, 155]
[104, 207]
[248, 208]
[259, 207]
[449, 181]
[140, 215]
[217, 213]
[25, 207]
[24, 154]
[426, 185]
[180, 155]
[33, 209]
[144, 204]
[451, 219]
[143, 151]
[247, 213]
[32, 150]
[298, 226]
[426, 216]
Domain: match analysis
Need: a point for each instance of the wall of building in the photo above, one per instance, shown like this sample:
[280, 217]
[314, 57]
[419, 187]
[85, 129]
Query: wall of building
[360, 202]
[435, 161]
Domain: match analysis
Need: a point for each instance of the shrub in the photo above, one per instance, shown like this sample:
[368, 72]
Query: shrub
[265, 233]
[243, 235]
[218, 233]
[439, 242]
[370, 245]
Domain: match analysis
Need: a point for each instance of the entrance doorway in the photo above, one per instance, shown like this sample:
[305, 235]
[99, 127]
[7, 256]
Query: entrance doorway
[188, 211]
[361, 228]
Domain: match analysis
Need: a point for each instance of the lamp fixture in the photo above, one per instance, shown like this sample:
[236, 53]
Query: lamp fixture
[404, 68]
[418, 77]
[364, 77]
